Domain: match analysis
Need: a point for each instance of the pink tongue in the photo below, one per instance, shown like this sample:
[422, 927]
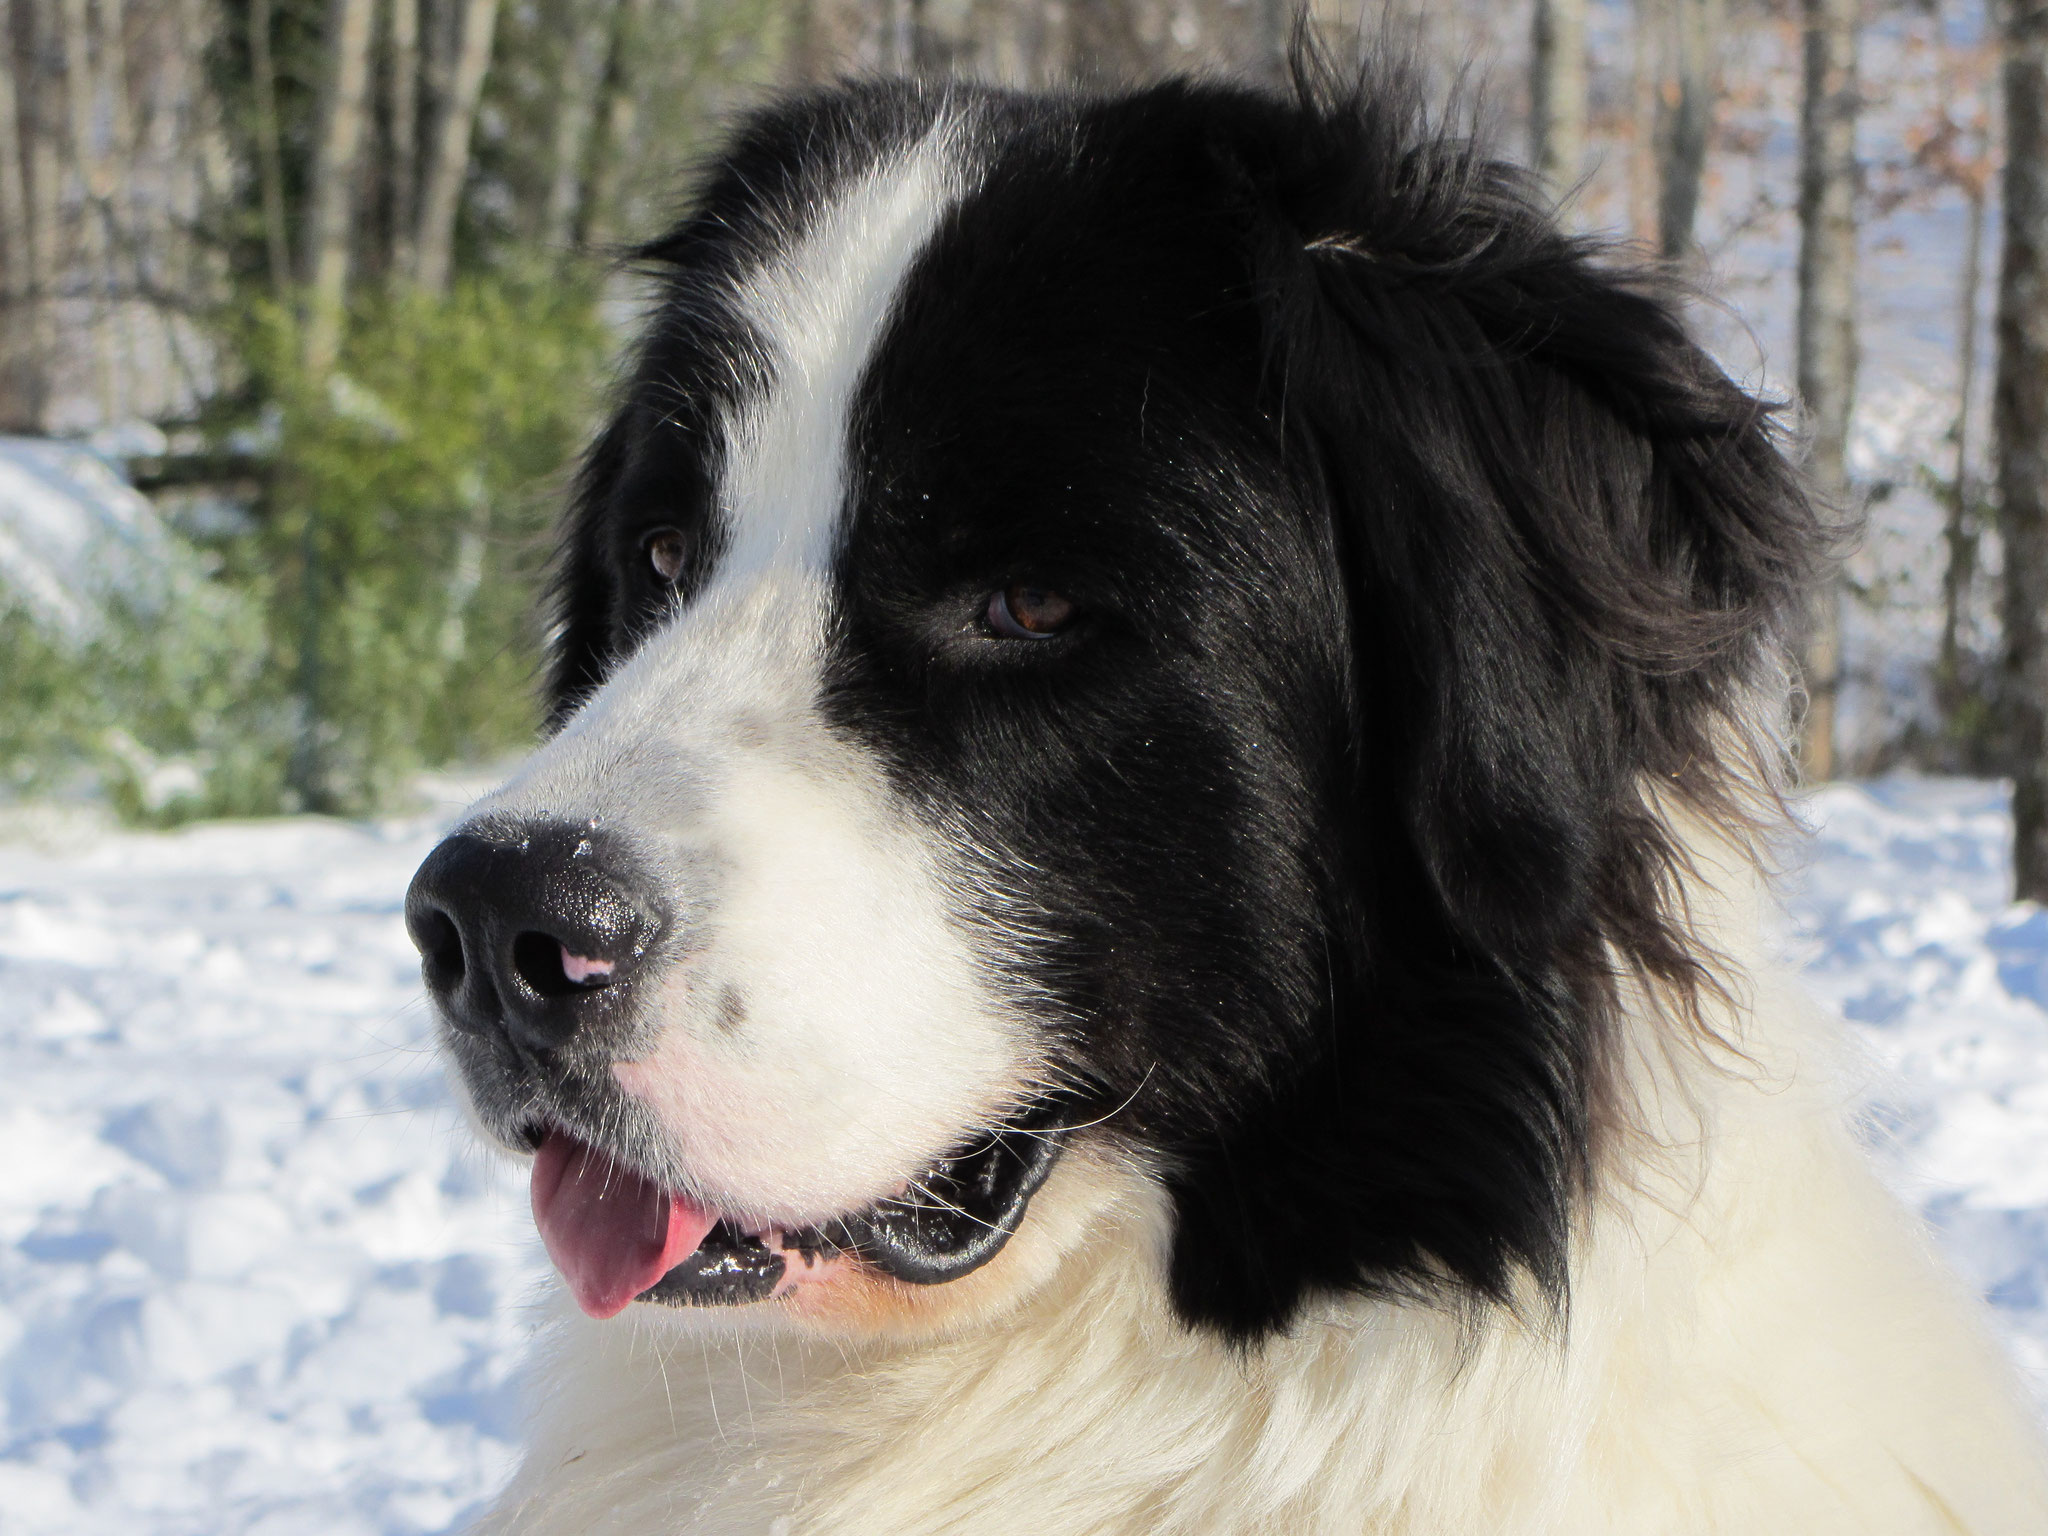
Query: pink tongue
[611, 1232]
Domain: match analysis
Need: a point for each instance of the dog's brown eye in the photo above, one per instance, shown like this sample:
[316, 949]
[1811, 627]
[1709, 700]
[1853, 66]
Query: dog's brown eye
[666, 551]
[1021, 611]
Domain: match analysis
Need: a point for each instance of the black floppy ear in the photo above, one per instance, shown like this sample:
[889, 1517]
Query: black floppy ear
[1571, 541]
[1567, 544]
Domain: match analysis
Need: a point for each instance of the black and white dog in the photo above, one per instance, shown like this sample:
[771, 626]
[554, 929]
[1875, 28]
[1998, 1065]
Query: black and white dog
[1142, 917]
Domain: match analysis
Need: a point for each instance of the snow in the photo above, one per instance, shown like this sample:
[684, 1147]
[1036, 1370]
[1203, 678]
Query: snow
[1899, 912]
[73, 533]
[255, 1276]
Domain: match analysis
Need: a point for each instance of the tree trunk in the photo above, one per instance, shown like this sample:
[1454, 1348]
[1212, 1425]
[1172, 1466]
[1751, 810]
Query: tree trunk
[46, 177]
[21, 368]
[403, 103]
[122, 213]
[1557, 94]
[1017, 42]
[1023, 42]
[337, 144]
[132, 242]
[183, 138]
[845, 37]
[448, 164]
[575, 106]
[14, 216]
[603, 211]
[1688, 82]
[92, 253]
[1827, 325]
[2020, 407]
[1960, 530]
[1134, 40]
[269, 156]
[1645, 64]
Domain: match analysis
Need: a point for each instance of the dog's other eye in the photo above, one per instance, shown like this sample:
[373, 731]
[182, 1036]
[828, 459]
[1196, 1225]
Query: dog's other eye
[666, 551]
[1022, 611]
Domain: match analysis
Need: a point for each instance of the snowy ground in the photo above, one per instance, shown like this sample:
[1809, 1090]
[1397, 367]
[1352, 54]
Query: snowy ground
[254, 1279]
[253, 1276]
[1899, 910]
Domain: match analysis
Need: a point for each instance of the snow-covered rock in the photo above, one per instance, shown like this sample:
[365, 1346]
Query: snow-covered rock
[74, 534]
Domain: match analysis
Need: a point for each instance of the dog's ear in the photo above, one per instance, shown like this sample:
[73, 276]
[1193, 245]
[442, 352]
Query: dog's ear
[1568, 546]
[1571, 542]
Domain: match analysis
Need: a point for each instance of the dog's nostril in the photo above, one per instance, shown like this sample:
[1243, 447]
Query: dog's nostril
[440, 944]
[548, 966]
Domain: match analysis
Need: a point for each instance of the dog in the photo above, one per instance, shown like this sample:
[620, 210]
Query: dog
[1142, 910]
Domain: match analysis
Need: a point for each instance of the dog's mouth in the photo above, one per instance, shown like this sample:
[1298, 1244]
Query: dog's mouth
[618, 1236]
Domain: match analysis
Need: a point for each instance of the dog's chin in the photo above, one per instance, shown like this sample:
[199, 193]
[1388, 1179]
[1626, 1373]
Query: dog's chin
[619, 1237]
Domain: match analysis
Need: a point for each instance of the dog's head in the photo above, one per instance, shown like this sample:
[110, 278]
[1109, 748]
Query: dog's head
[1140, 630]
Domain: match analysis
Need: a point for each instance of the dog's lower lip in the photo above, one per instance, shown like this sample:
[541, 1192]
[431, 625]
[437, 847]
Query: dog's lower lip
[949, 1222]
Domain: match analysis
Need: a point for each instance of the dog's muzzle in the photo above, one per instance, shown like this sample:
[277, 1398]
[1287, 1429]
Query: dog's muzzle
[533, 937]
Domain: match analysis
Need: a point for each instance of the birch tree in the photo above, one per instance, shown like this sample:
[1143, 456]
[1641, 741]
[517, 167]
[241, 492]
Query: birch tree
[1142, 39]
[92, 257]
[20, 284]
[1557, 93]
[338, 140]
[2020, 411]
[1957, 155]
[1959, 521]
[269, 152]
[402, 109]
[119, 207]
[46, 175]
[602, 212]
[1827, 324]
[448, 153]
[1690, 48]
[575, 109]
[1025, 42]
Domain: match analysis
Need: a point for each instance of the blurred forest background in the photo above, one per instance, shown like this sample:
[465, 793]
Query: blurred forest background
[307, 305]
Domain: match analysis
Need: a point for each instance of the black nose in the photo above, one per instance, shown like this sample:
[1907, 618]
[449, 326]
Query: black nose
[530, 929]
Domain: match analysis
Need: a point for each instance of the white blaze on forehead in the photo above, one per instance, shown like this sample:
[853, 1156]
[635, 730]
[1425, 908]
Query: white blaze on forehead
[820, 308]
[823, 1027]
